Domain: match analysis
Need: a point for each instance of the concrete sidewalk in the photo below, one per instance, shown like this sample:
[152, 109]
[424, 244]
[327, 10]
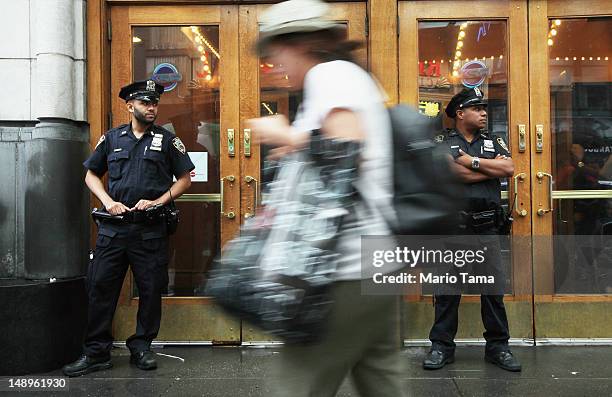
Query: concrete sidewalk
[242, 371]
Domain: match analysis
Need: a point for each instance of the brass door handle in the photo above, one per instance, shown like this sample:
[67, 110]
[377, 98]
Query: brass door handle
[231, 147]
[522, 146]
[540, 175]
[247, 142]
[230, 214]
[249, 179]
[539, 138]
[519, 211]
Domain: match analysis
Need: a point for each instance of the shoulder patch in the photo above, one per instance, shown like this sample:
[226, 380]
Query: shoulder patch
[102, 138]
[502, 144]
[439, 138]
[178, 144]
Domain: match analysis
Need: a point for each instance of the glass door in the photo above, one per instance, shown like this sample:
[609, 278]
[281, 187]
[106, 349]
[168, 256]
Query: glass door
[571, 141]
[193, 52]
[264, 91]
[442, 49]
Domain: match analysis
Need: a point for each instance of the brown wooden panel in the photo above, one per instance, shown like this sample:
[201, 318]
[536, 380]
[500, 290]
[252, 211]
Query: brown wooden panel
[230, 118]
[518, 98]
[463, 9]
[97, 82]
[185, 15]
[383, 46]
[540, 114]
[408, 53]
[568, 8]
[249, 103]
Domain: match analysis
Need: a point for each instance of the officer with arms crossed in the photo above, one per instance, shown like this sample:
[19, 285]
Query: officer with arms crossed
[141, 159]
[480, 160]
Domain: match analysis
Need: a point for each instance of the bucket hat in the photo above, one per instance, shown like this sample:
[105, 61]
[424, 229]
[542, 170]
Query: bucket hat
[293, 16]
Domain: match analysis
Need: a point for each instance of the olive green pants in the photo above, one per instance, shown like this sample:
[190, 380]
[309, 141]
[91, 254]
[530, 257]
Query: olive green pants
[362, 340]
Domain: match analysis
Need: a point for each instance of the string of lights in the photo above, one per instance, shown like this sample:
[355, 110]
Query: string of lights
[201, 41]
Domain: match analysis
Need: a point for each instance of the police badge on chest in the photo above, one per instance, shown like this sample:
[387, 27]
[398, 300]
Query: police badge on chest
[488, 145]
[156, 143]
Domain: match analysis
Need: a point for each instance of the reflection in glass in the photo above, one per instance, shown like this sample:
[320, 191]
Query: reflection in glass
[276, 97]
[580, 75]
[185, 60]
[454, 55]
[457, 54]
[583, 246]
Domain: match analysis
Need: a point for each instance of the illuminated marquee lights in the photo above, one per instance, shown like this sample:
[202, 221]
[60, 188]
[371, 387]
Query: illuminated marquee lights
[200, 39]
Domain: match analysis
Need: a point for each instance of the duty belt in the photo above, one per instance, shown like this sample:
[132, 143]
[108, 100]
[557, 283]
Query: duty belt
[151, 215]
[483, 220]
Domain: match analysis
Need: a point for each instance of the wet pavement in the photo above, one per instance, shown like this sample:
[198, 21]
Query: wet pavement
[243, 371]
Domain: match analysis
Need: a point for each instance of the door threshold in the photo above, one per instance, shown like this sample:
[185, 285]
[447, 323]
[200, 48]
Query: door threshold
[468, 342]
[574, 341]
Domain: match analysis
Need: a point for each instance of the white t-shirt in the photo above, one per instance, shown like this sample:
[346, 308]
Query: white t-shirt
[342, 84]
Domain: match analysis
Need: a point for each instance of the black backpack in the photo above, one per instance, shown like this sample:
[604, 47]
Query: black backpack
[427, 198]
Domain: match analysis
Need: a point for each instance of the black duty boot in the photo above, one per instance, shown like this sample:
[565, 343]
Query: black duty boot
[86, 364]
[505, 360]
[436, 359]
[144, 360]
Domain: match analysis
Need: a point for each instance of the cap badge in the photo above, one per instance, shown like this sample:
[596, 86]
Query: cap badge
[150, 85]
[478, 92]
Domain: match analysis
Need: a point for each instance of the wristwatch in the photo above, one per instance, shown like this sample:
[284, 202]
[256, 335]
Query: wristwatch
[475, 163]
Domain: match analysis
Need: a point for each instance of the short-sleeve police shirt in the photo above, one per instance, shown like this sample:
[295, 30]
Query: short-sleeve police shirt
[485, 194]
[139, 168]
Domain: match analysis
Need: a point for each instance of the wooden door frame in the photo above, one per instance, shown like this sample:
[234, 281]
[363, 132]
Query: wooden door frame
[516, 14]
[354, 13]
[226, 17]
[557, 315]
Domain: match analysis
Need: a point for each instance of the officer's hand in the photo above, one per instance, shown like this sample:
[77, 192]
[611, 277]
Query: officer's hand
[116, 208]
[501, 157]
[142, 205]
[464, 159]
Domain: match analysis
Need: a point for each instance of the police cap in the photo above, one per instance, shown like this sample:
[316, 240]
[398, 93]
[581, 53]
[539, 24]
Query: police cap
[465, 99]
[146, 90]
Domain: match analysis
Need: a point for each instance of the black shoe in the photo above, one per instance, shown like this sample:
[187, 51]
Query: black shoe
[436, 359]
[144, 360]
[86, 364]
[505, 360]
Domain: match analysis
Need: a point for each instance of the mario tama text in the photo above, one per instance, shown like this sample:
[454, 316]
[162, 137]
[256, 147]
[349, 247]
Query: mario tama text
[439, 264]
[432, 278]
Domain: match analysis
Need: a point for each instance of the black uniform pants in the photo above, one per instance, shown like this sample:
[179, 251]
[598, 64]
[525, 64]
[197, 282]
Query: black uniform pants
[492, 309]
[145, 249]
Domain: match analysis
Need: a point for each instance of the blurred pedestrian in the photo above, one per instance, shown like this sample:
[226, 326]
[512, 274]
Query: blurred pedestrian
[341, 103]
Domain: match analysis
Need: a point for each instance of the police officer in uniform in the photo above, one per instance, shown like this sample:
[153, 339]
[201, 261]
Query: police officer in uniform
[141, 159]
[480, 160]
